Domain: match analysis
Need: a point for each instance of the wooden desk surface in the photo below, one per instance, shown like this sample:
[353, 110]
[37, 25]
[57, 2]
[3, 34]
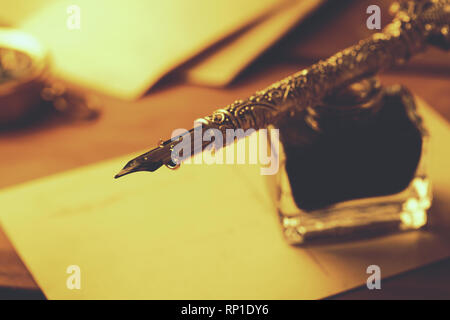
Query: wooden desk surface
[51, 146]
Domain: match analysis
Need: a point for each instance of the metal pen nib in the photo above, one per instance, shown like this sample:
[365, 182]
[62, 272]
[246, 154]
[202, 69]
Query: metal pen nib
[140, 163]
[130, 167]
[153, 159]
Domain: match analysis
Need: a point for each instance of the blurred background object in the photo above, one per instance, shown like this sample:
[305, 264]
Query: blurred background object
[23, 67]
[27, 89]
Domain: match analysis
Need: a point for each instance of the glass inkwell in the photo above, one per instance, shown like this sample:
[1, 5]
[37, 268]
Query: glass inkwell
[353, 163]
[354, 166]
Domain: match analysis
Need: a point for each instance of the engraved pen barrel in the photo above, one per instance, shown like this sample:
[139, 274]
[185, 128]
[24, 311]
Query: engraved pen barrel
[405, 36]
[416, 24]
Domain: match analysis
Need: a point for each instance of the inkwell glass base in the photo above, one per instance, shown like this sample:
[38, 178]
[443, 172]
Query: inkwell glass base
[355, 167]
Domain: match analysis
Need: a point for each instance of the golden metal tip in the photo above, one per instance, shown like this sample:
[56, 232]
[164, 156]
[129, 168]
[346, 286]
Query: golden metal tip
[120, 174]
[126, 170]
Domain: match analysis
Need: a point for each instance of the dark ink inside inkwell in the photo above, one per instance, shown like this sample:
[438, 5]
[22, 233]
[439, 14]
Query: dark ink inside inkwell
[364, 142]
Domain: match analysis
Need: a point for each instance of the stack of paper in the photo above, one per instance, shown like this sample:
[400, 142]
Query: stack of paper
[124, 48]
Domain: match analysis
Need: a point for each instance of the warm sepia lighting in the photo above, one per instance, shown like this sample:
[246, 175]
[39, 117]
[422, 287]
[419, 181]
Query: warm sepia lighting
[222, 153]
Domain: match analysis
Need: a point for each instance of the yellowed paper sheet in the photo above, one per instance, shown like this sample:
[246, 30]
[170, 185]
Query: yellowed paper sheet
[124, 47]
[15, 12]
[224, 64]
[202, 232]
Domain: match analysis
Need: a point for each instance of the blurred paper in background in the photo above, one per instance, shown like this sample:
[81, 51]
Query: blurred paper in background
[14, 12]
[224, 64]
[124, 47]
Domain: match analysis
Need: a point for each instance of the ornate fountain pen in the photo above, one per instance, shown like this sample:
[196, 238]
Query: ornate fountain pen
[416, 24]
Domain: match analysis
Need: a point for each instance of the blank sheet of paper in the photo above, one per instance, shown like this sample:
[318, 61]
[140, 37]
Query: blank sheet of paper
[201, 232]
